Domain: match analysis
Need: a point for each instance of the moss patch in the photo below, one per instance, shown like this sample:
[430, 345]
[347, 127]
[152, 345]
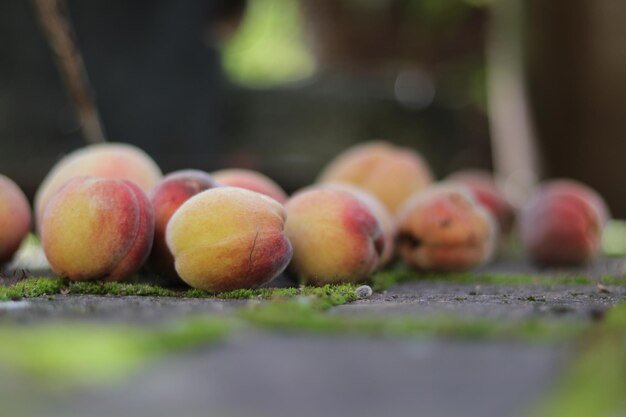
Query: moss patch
[386, 279]
[39, 287]
[304, 315]
[71, 354]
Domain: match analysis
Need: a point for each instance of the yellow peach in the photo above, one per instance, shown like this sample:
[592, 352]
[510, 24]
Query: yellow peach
[228, 238]
[390, 173]
[166, 197]
[15, 218]
[387, 221]
[251, 180]
[336, 237]
[97, 229]
[107, 160]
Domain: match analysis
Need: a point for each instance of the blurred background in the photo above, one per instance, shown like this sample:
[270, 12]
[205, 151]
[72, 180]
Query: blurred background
[531, 89]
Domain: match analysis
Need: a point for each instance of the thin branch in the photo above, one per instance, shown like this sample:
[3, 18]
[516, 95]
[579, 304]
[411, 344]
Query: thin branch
[57, 28]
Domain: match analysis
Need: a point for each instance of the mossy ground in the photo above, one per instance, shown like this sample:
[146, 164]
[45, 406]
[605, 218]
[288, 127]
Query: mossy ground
[94, 353]
[45, 286]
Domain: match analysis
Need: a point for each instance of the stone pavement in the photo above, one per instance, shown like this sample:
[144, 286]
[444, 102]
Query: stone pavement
[285, 375]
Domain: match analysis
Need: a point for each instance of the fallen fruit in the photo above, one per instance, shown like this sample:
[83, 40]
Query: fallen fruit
[107, 160]
[336, 237]
[563, 223]
[251, 180]
[390, 173]
[228, 238]
[97, 229]
[15, 218]
[166, 197]
[445, 229]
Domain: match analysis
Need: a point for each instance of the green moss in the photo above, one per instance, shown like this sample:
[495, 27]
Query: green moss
[38, 287]
[386, 279]
[32, 287]
[305, 315]
[596, 382]
[88, 353]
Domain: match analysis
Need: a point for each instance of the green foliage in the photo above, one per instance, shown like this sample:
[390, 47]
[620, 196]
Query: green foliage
[614, 238]
[269, 48]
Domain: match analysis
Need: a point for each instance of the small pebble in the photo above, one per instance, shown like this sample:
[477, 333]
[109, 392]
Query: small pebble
[363, 292]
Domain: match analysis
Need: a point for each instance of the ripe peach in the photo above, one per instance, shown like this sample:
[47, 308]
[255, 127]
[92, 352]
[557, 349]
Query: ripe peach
[390, 173]
[336, 237]
[166, 197]
[107, 160]
[15, 218]
[251, 180]
[97, 228]
[445, 229]
[387, 222]
[486, 191]
[227, 238]
[562, 223]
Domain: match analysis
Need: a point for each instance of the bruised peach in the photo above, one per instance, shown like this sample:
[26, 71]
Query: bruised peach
[445, 229]
[390, 173]
[228, 238]
[166, 197]
[107, 160]
[486, 191]
[251, 180]
[387, 222]
[15, 218]
[336, 237]
[562, 223]
[97, 229]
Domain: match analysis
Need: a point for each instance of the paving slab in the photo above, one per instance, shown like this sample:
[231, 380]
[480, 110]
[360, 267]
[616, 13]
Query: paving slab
[265, 375]
[493, 301]
[111, 309]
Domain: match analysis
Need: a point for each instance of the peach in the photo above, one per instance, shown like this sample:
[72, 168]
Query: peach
[390, 173]
[107, 160]
[228, 238]
[97, 229]
[15, 218]
[387, 222]
[562, 223]
[336, 237]
[445, 229]
[483, 186]
[166, 197]
[251, 180]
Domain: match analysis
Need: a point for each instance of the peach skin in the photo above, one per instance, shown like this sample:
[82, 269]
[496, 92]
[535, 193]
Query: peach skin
[336, 237]
[251, 180]
[107, 160]
[390, 173]
[15, 218]
[97, 229]
[562, 224]
[387, 222]
[228, 238]
[166, 197]
[445, 229]
[483, 186]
